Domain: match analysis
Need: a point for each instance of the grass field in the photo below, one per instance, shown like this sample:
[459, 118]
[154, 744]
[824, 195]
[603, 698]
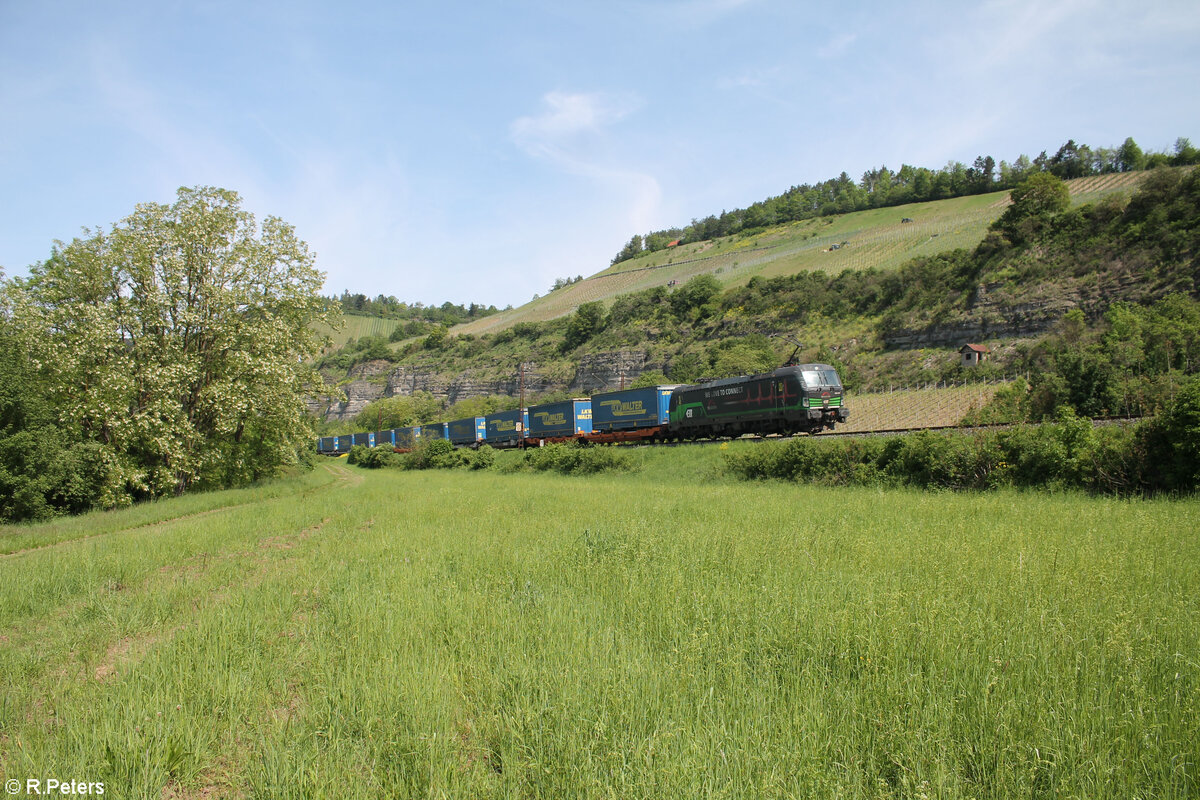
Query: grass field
[369, 634]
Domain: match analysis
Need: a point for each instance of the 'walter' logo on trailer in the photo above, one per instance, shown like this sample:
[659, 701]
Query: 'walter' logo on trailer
[550, 420]
[622, 409]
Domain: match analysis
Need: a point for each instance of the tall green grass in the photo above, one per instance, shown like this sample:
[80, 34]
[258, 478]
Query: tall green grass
[655, 634]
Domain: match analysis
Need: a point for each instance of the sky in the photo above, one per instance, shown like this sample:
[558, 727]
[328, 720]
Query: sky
[477, 151]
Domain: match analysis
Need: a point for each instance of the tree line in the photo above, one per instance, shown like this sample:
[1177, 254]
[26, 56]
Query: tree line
[388, 307]
[882, 187]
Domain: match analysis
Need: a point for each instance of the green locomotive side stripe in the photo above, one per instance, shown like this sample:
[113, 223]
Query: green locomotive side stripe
[680, 413]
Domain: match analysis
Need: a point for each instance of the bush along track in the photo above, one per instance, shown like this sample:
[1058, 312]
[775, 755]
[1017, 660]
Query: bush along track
[1160, 455]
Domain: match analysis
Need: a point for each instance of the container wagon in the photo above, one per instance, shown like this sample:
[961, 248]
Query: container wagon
[505, 428]
[433, 430]
[467, 432]
[631, 414]
[560, 421]
[406, 438]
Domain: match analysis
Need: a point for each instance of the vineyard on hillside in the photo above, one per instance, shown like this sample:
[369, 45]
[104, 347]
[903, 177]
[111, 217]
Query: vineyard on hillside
[356, 327]
[907, 408]
[873, 239]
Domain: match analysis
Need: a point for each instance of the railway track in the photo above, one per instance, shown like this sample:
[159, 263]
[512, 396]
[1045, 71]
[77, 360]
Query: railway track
[1098, 422]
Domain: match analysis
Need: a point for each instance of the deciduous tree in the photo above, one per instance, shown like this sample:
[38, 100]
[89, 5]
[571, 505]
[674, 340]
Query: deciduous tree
[586, 322]
[1034, 203]
[178, 342]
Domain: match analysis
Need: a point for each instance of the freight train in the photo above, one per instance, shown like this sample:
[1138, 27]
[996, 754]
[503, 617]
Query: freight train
[803, 398]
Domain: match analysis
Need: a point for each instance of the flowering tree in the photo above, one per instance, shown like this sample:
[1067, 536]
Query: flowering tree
[179, 342]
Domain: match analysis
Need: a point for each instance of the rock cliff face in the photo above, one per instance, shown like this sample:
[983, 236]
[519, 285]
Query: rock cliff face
[605, 371]
[375, 379]
[1001, 312]
[985, 321]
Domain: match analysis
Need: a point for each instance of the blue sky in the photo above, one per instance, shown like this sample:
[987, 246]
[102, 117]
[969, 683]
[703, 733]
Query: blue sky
[476, 151]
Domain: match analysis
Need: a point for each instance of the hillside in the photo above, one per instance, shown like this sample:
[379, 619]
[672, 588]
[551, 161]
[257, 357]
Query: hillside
[875, 239]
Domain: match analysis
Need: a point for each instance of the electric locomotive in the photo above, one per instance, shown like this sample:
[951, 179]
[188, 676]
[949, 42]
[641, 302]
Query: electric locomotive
[803, 398]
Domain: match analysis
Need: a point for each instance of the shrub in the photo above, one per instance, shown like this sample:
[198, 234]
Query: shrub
[431, 454]
[381, 457]
[43, 475]
[1169, 445]
[1070, 454]
[483, 458]
[574, 459]
[648, 379]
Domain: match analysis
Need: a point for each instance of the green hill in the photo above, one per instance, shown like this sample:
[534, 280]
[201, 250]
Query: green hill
[878, 239]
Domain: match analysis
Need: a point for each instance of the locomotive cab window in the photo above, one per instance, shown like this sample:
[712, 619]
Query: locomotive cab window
[821, 378]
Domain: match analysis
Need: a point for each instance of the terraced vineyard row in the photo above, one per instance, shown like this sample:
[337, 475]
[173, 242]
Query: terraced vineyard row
[355, 327]
[1086, 190]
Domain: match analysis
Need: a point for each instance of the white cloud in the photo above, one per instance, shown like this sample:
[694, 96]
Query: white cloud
[567, 117]
[571, 134]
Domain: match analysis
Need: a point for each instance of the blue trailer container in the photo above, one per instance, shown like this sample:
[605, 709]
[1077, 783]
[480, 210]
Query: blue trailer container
[503, 429]
[326, 445]
[407, 437]
[467, 431]
[434, 430]
[363, 439]
[630, 409]
[561, 419]
[384, 438]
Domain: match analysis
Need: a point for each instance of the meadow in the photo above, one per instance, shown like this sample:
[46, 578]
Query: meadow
[664, 633]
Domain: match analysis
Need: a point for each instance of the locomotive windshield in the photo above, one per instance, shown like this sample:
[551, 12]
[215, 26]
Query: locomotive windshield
[821, 379]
